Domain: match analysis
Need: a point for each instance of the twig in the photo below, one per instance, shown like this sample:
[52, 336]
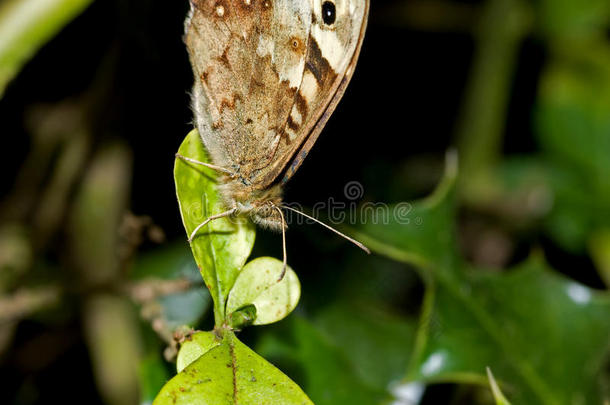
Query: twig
[25, 302]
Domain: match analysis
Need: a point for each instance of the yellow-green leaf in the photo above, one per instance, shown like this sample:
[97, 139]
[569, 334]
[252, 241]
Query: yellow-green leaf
[194, 347]
[258, 285]
[222, 247]
[231, 373]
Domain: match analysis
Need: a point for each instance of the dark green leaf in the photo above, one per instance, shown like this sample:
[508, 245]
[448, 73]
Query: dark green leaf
[573, 125]
[527, 325]
[562, 19]
[329, 376]
[378, 344]
[421, 233]
[152, 375]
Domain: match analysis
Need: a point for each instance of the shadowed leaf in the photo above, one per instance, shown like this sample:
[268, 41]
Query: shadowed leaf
[520, 323]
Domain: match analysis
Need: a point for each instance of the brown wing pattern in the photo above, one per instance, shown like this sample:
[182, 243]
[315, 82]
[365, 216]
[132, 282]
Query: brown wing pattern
[331, 59]
[268, 74]
[248, 57]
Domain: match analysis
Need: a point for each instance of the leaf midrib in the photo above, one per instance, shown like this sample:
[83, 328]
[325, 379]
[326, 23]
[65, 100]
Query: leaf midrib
[523, 368]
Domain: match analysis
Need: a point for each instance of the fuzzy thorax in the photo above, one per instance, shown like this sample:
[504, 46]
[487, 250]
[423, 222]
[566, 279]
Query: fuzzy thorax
[261, 205]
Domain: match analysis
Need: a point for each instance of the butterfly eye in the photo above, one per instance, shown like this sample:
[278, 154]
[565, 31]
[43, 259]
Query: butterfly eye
[329, 12]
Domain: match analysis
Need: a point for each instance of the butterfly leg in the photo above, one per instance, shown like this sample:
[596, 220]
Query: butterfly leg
[211, 166]
[210, 219]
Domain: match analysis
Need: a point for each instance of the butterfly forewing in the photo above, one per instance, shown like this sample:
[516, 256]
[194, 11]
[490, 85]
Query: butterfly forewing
[268, 74]
[247, 72]
[348, 30]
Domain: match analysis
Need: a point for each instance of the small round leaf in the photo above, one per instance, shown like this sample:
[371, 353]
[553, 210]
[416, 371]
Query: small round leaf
[258, 285]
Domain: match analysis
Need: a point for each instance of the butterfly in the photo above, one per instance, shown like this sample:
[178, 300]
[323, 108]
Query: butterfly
[268, 75]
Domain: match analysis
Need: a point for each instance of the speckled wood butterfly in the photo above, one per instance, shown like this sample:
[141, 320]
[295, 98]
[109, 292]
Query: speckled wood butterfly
[268, 75]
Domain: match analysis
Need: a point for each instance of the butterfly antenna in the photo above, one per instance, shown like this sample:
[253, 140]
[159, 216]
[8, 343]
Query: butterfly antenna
[283, 243]
[354, 241]
[210, 219]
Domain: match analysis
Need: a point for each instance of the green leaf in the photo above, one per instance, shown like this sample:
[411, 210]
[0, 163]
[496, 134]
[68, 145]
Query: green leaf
[152, 375]
[377, 343]
[573, 127]
[495, 389]
[573, 114]
[258, 285]
[347, 353]
[231, 373]
[96, 213]
[329, 375]
[573, 19]
[26, 25]
[422, 233]
[194, 347]
[599, 246]
[521, 324]
[222, 247]
[528, 324]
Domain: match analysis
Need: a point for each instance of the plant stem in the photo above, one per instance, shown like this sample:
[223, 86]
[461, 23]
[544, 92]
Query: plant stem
[480, 127]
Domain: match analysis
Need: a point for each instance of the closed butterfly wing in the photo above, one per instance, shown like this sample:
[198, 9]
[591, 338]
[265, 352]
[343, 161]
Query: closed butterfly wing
[335, 39]
[248, 58]
[268, 74]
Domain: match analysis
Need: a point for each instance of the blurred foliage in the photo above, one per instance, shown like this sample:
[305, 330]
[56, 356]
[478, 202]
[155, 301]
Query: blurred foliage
[347, 353]
[520, 323]
[26, 25]
[461, 283]
[497, 393]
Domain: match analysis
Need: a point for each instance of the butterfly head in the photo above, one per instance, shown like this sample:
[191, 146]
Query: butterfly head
[269, 216]
[261, 205]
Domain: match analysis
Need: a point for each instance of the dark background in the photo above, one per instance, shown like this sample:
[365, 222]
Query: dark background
[123, 64]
